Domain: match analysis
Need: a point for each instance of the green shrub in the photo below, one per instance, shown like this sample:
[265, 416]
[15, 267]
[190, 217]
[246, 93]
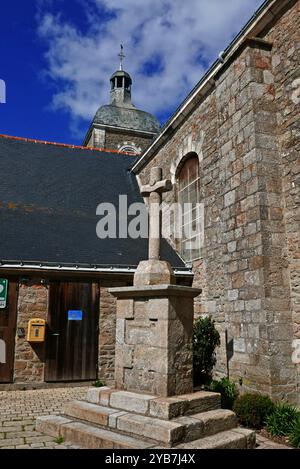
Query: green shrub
[253, 409]
[228, 391]
[294, 433]
[98, 384]
[205, 340]
[59, 440]
[280, 422]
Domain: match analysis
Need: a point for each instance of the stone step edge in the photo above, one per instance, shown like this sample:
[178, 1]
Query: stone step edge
[77, 432]
[164, 408]
[238, 438]
[185, 428]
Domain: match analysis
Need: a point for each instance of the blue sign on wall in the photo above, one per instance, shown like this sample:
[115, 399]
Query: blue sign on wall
[75, 315]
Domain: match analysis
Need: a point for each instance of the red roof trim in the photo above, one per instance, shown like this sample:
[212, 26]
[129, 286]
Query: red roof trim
[65, 145]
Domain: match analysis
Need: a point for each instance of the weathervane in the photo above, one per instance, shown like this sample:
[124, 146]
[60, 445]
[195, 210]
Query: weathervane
[122, 57]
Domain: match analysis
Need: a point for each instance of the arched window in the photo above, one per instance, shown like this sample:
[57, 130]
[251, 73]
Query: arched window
[130, 149]
[188, 183]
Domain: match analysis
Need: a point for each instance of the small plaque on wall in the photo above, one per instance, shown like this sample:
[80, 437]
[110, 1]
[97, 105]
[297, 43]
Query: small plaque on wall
[75, 315]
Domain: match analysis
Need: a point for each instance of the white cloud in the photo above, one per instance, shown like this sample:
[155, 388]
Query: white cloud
[184, 37]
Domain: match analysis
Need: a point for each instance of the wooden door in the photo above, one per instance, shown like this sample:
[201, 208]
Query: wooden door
[72, 332]
[8, 318]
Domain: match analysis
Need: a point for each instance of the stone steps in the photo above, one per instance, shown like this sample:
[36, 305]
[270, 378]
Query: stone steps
[87, 435]
[166, 432]
[92, 437]
[118, 419]
[163, 432]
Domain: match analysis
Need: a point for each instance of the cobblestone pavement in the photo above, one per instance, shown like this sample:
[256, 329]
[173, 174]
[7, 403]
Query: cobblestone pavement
[19, 409]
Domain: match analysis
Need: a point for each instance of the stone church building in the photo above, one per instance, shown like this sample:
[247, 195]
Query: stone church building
[233, 147]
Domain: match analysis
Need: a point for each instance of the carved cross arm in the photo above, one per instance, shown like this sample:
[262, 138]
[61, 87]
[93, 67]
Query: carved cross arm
[159, 187]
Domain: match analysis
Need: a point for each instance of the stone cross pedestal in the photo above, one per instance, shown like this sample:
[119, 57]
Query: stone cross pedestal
[154, 339]
[155, 318]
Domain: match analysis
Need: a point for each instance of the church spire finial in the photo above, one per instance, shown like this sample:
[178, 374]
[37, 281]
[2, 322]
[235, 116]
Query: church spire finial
[122, 57]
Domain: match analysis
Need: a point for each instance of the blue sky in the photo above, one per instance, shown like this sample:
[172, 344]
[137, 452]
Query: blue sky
[57, 57]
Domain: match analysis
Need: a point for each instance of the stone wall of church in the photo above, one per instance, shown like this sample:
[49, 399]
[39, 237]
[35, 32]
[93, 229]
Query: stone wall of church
[29, 359]
[285, 36]
[246, 133]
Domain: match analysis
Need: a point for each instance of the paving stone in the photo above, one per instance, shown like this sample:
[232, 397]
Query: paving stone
[11, 442]
[39, 439]
[19, 409]
[17, 428]
[29, 427]
[11, 424]
[24, 434]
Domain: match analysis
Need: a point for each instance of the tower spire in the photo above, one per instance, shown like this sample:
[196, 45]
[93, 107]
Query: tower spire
[120, 94]
[122, 57]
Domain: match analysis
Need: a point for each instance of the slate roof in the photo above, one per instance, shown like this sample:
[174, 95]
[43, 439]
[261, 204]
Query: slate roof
[126, 118]
[48, 200]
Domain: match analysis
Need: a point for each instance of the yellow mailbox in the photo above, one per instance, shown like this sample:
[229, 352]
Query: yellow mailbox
[36, 330]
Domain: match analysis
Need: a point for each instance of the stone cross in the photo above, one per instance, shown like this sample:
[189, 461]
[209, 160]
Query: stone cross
[122, 57]
[154, 191]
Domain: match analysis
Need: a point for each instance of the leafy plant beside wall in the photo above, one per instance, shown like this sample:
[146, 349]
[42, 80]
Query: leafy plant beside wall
[206, 339]
[228, 391]
[294, 433]
[280, 422]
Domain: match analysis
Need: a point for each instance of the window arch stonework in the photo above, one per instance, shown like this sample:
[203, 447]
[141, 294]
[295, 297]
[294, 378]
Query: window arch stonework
[188, 146]
[129, 147]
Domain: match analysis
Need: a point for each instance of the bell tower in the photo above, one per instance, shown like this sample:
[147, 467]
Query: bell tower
[121, 82]
[120, 125]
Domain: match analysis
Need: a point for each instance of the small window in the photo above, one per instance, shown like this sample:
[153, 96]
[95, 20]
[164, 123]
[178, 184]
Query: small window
[130, 149]
[188, 180]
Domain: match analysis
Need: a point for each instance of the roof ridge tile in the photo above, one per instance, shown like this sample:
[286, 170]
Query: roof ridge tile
[65, 145]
